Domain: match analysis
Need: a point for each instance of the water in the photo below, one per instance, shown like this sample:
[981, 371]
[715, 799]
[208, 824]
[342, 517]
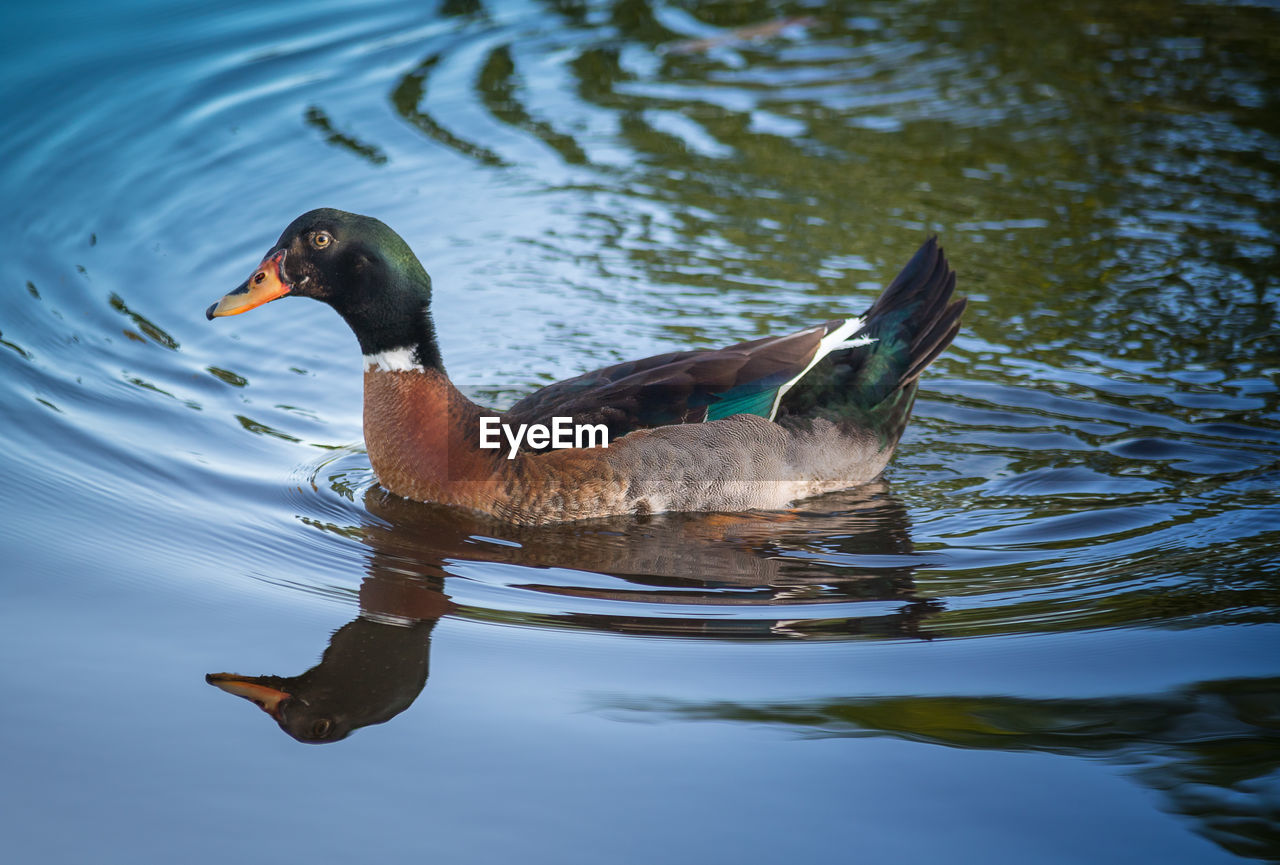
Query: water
[1050, 634]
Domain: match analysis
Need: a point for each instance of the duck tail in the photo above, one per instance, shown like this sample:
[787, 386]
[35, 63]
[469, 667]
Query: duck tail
[869, 379]
[911, 323]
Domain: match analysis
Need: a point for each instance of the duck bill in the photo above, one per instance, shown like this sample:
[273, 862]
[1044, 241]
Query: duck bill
[266, 284]
[253, 689]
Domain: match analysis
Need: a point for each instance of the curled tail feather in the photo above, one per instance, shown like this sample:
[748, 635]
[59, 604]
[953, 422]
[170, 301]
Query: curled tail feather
[870, 382]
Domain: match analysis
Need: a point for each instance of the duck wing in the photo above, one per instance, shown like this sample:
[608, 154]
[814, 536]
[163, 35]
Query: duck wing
[859, 371]
[680, 387]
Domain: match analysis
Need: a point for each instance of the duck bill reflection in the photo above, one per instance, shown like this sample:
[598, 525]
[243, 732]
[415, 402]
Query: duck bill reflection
[254, 689]
[266, 284]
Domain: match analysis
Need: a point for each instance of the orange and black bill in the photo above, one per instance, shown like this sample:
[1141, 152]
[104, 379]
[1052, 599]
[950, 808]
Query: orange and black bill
[253, 689]
[266, 284]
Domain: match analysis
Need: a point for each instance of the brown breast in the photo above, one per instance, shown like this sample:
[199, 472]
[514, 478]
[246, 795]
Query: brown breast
[423, 439]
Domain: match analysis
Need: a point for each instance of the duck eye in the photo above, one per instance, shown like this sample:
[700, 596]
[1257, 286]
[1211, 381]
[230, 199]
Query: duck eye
[320, 728]
[321, 239]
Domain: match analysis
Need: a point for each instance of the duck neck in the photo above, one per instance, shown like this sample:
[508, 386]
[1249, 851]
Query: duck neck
[391, 318]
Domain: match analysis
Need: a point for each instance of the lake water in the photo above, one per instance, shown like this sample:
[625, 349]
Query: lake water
[1050, 634]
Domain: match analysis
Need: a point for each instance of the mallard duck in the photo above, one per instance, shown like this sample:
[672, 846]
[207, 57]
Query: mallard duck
[757, 425]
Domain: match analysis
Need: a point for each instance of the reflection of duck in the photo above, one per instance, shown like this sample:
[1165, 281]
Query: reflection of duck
[376, 665]
[851, 546]
[754, 425]
[373, 670]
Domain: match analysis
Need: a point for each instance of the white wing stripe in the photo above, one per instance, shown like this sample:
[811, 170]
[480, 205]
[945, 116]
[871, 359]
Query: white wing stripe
[841, 337]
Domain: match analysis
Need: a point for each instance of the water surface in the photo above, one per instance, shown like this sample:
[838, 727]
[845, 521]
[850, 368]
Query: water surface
[1049, 634]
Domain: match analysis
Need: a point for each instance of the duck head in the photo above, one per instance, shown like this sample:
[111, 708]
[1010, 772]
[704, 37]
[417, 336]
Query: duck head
[357, 265]
[372, 671]
[295, 714]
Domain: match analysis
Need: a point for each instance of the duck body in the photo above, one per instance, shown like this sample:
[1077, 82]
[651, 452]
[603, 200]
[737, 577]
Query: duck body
[756, 425]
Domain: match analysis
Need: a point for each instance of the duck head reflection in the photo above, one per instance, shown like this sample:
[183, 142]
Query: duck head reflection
[856, 548]
[374, 668]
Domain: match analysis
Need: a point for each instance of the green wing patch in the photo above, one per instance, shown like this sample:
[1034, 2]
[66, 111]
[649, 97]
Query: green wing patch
[759, 402]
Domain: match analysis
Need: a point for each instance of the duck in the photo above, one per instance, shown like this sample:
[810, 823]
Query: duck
[759, 425]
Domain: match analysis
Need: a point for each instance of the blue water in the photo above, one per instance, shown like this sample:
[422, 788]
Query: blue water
[1050, 634]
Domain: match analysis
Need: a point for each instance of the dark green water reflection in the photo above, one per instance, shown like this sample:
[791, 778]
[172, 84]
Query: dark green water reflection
[1210, 749]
